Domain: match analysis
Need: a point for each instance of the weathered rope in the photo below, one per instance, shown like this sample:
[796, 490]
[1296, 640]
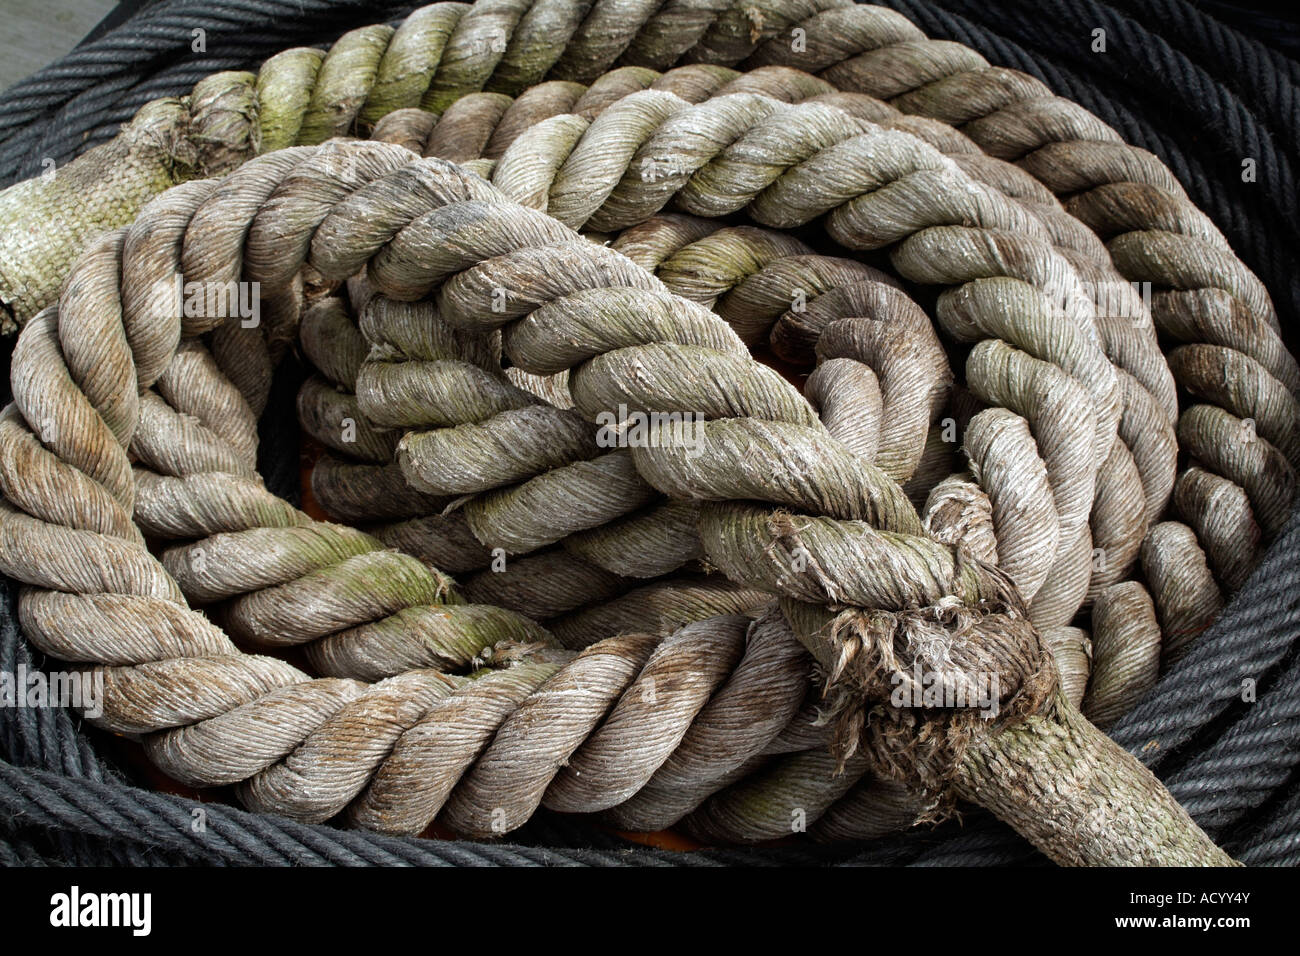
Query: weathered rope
[860, 18]
[554, 585]
[1252, 468]
[882, 504]
[295, 587]
[802, 271]
[704, 267]
[684, 604]
[570, 579]
[653, 253]
[1201, 595]
[1186, 594]
[556, 581]
[1234, 56]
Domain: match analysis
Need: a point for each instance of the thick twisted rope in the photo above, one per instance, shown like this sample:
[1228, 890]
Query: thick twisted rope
[569, 587]
[565, 580]
[1134, 687]
[554, 581]
[536, 583]
[1016, 535]
[357, 44]
[1274, 487]
[639, 609]
[404, 60]
[1134, 667]
[877, 503]
[729, 99]
[868, 27]
[493, 119]
[288, 588]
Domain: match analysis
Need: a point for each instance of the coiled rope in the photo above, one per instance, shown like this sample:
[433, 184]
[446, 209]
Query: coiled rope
[338, 98]
[472, 121]
[416, 776]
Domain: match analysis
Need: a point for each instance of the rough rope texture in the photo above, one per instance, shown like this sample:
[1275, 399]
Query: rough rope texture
[1015, 649]
[216, 557]
[365, 101]
[1179, 594]
[1188, 601]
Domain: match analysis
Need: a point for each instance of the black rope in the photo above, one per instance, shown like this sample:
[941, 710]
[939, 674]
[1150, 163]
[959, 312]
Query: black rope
[1275, 25]
[1264, 78]
[1273, 838]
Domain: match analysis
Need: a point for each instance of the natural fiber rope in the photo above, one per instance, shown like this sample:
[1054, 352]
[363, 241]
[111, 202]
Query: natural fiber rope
[871, 508]
[329, 661]
[1203, 596]
[497, 113]
[1222, 544]
[333, 329]
[217, 555]
[536, 584]
[697, 268]
[1232, 55]
[776, 280]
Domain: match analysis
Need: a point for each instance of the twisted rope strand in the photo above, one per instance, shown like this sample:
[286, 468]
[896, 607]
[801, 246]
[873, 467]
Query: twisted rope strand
[875, 502]
[1126, 545]
[881, 34]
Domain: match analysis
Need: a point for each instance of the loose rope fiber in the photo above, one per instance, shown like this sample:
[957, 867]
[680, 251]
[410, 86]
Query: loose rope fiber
[1184, 380]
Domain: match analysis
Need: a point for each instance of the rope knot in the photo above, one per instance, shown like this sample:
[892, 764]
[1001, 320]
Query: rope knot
[912, 688]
